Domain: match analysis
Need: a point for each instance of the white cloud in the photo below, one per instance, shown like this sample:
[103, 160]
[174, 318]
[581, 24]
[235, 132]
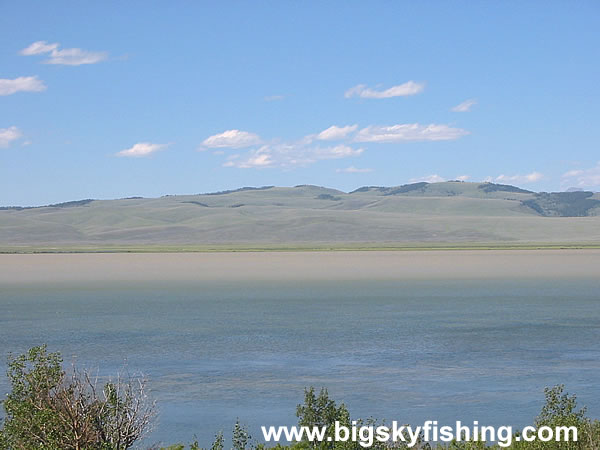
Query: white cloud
[255, 159]
[232, 139]
[463, 177]
[353, 169]
[401, 90]
[67, 56]
[409, 132]
[522, 179]
[584, 178]
[289, 155]
[38, 48]
[428, 179]
[21, 84]
[311, 148]
[335, 133]
[465, 106]
[75, 57]
[141, 149]
[8, 135]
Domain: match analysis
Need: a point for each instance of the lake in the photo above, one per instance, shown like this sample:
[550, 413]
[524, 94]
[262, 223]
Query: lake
[401, 349]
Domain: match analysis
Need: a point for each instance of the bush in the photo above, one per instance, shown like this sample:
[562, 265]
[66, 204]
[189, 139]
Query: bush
[48, 409]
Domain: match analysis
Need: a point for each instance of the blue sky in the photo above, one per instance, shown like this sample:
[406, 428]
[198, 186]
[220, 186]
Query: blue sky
[115, 99]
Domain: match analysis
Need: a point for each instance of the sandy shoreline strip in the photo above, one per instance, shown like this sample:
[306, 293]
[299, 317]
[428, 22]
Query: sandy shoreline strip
[348, 265]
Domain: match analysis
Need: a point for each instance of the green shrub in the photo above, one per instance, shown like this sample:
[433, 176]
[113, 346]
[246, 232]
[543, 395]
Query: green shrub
[48, 409]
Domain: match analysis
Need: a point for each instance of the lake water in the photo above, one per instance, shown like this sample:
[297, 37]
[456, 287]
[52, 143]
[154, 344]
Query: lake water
[401, 350]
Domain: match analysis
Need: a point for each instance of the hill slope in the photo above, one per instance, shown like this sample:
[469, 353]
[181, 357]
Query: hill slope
[450, 212]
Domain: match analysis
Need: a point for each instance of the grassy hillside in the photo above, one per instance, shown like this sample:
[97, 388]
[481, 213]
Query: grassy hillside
[416, 214]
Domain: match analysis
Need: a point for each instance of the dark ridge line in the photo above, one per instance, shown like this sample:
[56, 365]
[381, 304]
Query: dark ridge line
[197, 203]
[70, 204]
[562, 204]
[494, 187]
[242, 189]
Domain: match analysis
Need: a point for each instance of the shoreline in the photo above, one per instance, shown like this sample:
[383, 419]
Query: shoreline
[27, 269]
[273, 248]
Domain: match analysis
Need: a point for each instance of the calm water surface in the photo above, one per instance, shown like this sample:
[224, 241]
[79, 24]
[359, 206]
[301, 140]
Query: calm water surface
[407, 351]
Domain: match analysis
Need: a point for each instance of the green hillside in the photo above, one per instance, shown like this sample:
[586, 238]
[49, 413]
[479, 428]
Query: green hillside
[414, 214]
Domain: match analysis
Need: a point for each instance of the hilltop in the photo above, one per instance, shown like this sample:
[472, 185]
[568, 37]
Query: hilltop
[420, 213]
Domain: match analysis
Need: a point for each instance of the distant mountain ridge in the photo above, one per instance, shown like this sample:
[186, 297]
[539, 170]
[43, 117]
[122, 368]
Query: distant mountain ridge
[452, 211]
[572, 203]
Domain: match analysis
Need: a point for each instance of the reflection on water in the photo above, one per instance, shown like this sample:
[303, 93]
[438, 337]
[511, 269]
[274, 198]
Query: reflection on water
[408, 351]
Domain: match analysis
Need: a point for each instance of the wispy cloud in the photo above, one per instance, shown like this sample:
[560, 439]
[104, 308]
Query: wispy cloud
[274, 98]
[465, 106]
[462, 177]
[38, 48]
[353, 169]
[435, 178]
[142, 149]
[519, 179]
[289, 155]
[67, 56]
[9, 135]
[21, 84]
[583, 178]
[401, 90]
[409, 132]
[335, 133]
[232, 139]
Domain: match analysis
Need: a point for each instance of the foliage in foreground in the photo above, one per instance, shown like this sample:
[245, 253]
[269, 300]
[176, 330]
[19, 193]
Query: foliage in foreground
[49, 409]
[320, 410]
[52, 410]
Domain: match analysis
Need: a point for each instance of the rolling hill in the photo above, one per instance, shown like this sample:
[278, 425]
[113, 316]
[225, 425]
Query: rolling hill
[414, 214]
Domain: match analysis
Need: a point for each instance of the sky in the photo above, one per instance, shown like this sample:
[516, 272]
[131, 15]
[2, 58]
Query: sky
[116, 99]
